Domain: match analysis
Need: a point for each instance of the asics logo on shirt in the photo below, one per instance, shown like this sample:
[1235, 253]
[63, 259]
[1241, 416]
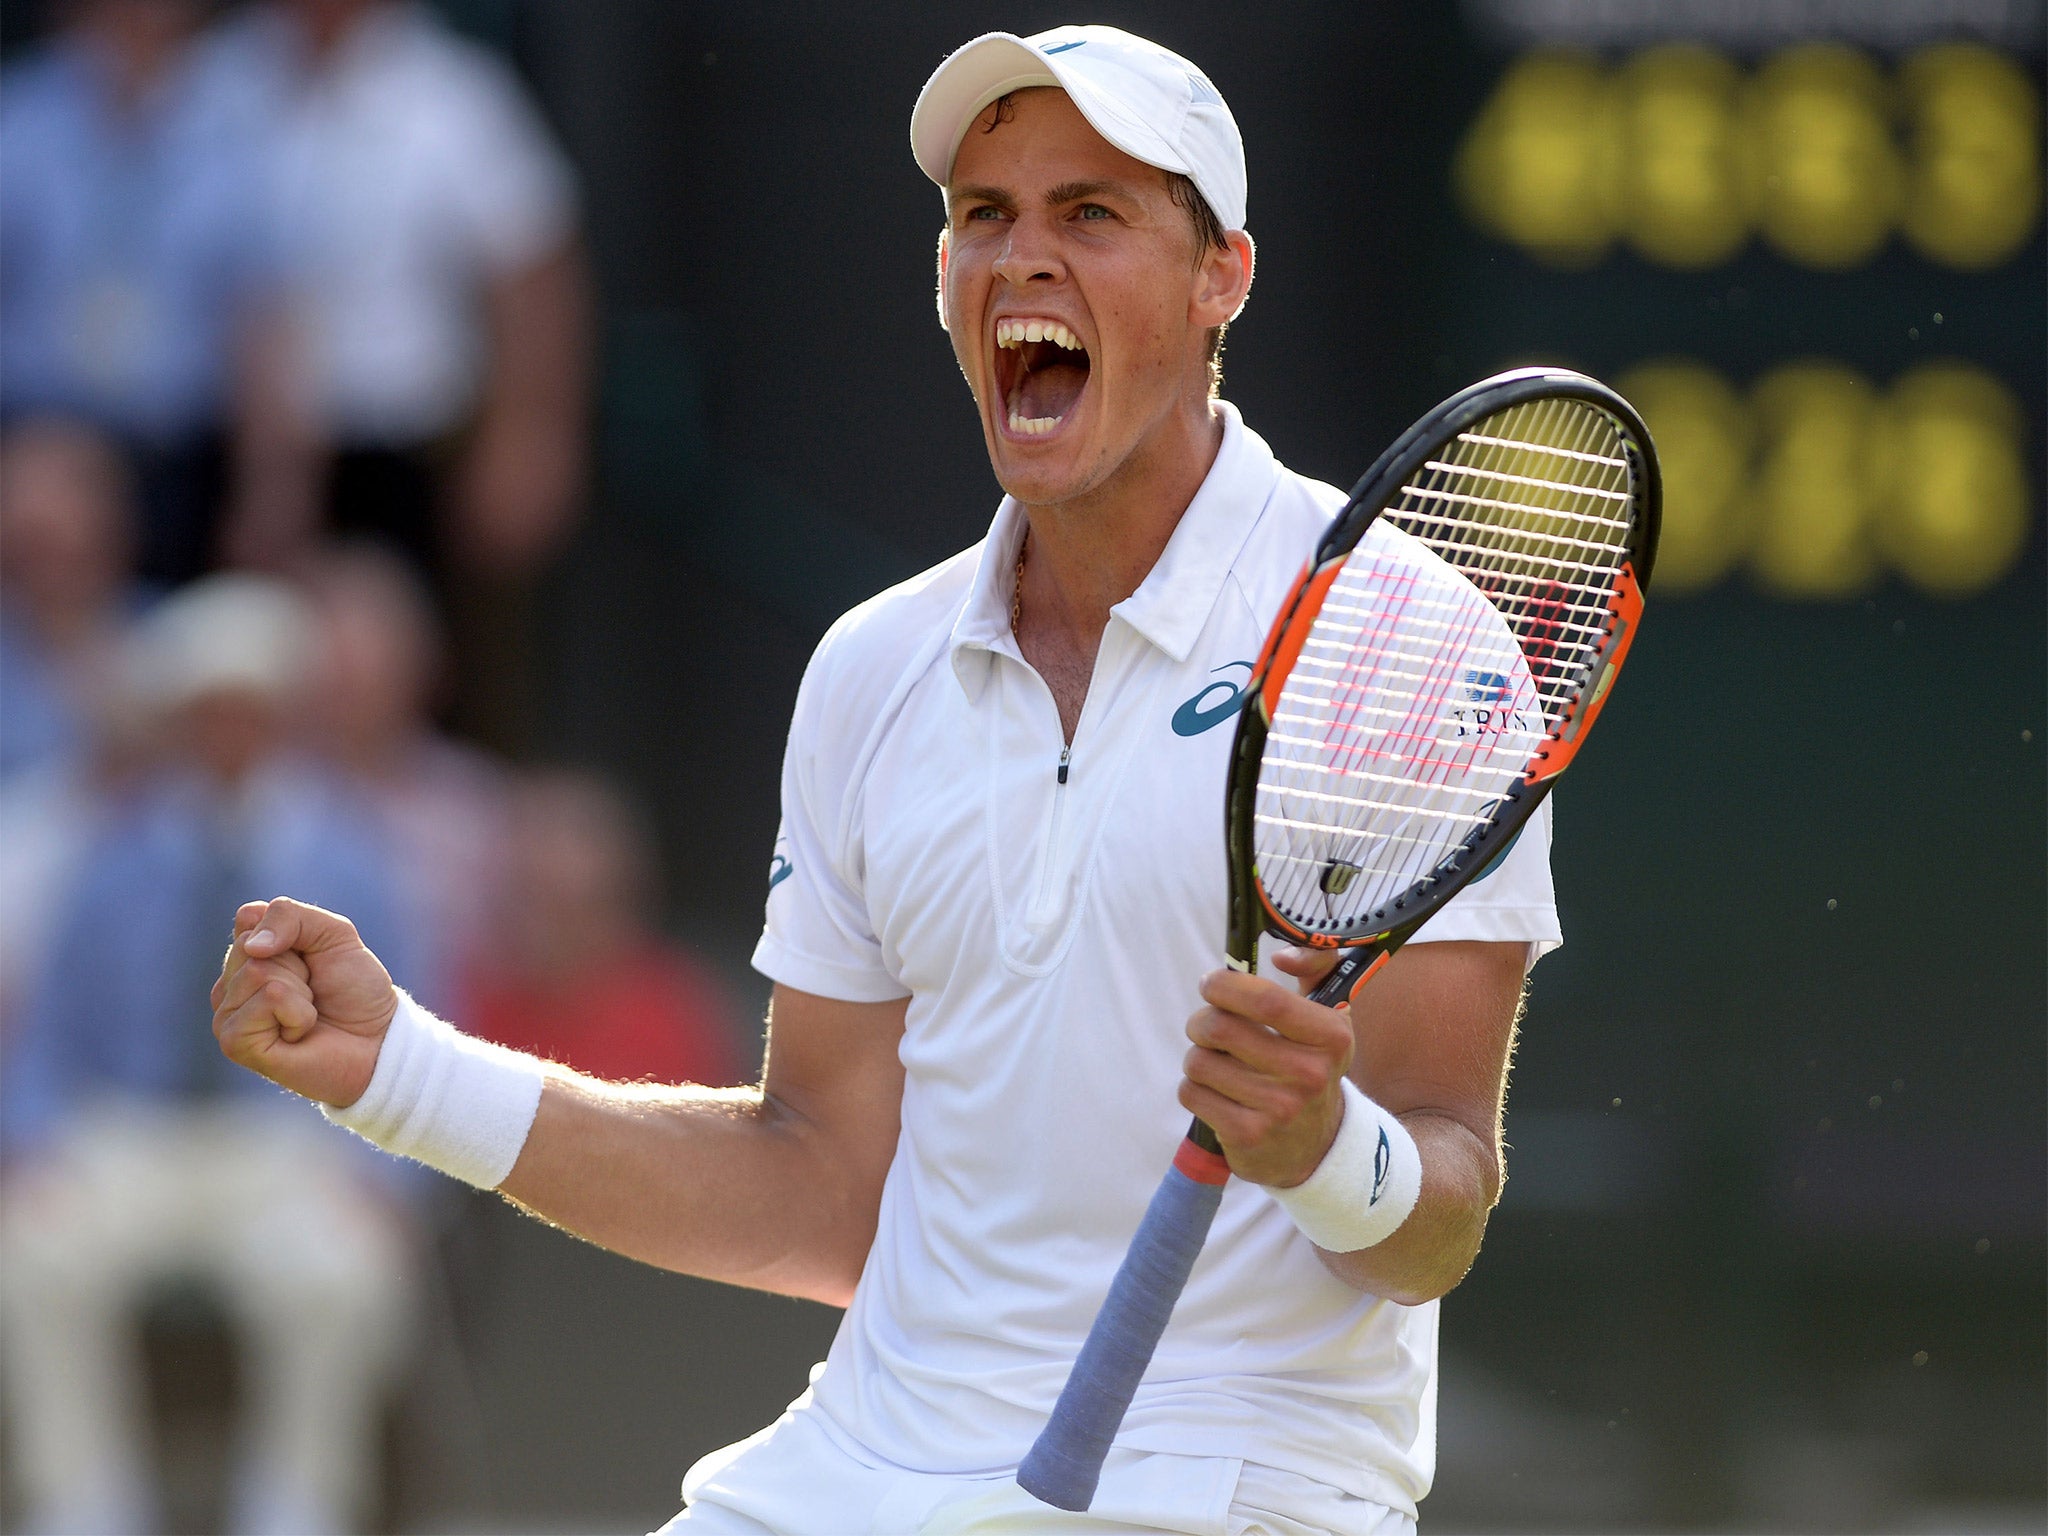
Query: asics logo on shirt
[1215, 704]
[779, 870]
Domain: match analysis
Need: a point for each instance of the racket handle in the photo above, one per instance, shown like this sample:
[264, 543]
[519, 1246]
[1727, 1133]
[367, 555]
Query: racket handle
[1353, 969]
[1066, 1461]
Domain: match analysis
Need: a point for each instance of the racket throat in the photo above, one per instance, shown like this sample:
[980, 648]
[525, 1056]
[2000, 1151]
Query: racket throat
[1354, 968]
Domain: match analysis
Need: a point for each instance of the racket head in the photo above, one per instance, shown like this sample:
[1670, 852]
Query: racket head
[1444, 653]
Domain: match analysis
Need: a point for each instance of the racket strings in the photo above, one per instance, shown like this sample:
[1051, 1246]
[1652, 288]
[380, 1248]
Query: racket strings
[1531, 504]
[1418, 700]
[1409, 714]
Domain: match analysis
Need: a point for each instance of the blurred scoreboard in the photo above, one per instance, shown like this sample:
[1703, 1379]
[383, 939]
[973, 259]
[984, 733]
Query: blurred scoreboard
[1815, 263]
[1819, 151]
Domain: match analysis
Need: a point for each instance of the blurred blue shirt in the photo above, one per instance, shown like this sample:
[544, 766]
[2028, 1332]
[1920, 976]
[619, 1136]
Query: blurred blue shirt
[38, 722]
[120, 1007]
[129, 242]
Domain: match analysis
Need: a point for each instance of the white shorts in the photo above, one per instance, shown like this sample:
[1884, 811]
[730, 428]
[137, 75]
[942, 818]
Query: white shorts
[799, 1478]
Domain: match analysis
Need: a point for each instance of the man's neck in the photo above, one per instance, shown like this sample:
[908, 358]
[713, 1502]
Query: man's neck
[1089, 554]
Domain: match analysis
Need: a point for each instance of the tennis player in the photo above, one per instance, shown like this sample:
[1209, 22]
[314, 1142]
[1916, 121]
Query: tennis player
[994, 916]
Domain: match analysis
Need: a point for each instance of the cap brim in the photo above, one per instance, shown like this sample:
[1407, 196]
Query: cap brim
[996, 64]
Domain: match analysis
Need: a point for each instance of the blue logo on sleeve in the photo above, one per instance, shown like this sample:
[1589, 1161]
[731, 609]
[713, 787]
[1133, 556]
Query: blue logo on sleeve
[1216, 703]
[1493, 864]
[779, 870]
[1063, 47]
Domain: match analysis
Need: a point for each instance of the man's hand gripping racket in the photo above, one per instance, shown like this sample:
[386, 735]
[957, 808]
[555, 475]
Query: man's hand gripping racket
[1436, 667]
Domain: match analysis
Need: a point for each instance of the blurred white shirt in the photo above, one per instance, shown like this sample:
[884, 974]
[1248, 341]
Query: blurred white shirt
[407, 170]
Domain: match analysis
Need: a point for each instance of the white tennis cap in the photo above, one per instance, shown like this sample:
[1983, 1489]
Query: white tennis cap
[1146, 100]
[232, 633]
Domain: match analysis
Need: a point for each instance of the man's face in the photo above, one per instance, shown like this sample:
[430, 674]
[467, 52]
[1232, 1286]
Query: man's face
[1055, 233]
[228, 732]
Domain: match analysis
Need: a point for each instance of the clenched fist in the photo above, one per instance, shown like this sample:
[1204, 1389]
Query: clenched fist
[1265, 1069]
[301, 1001]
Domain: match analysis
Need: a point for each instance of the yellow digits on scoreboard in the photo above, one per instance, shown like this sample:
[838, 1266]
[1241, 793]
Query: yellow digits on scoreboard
[1816, 482]
[1681, 156]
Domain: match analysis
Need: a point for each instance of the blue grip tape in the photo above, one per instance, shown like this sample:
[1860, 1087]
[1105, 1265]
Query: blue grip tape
[1066, 1461]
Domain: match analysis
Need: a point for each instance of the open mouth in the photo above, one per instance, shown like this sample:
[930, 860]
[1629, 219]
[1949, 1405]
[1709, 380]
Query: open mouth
[1041, 369]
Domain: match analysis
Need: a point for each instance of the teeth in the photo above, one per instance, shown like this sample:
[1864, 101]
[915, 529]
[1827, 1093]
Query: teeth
[1033, 426]
[1014, 333]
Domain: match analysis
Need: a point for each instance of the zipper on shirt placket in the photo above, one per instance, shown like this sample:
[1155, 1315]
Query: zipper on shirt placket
[1044, 908]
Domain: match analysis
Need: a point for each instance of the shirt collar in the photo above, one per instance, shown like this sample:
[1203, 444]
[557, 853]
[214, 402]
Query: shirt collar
[1174, 601]
[983, 629]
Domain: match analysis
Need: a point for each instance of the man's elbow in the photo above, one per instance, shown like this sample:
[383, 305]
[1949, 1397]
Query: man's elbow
[837, 1270]
[1429, 1283]
[825, 1289]
[1461, 1227]
[826, 1273]
[1431, 1253]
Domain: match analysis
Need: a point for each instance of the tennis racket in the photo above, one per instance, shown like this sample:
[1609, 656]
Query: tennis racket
[1437, 666]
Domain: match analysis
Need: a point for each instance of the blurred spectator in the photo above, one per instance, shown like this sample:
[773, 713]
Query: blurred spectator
[131, 283]
[425, 225]
[135, 1153]
[51, 815]
[68, 738]
[65, 588]
[441, 803]
[577, 973]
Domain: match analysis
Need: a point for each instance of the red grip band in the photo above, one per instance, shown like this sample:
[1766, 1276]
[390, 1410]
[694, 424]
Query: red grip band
[1202, 1165]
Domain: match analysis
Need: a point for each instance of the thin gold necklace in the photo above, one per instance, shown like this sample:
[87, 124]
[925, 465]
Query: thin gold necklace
[1017, 588]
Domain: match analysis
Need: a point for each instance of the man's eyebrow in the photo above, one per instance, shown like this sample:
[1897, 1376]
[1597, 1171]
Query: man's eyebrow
[970, 193]
[1076, 191]
[1065, 192]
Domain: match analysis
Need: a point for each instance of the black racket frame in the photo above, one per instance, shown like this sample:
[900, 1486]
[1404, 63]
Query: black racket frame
[1370, 939]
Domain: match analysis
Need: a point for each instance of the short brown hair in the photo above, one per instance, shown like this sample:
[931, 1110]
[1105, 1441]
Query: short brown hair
[1208, 236]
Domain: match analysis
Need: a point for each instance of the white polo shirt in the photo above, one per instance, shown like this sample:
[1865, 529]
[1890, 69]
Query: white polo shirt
[1050, 936]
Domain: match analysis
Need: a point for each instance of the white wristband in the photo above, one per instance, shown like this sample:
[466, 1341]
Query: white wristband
[453, 1102]
[1366, 1184]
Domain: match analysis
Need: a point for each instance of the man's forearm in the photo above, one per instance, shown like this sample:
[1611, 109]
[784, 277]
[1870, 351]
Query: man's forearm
[1430, 1252]
[725, 1183]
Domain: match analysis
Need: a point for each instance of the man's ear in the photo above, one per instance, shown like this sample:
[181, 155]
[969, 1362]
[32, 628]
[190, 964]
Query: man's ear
[941, 290]
[1223, 281]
